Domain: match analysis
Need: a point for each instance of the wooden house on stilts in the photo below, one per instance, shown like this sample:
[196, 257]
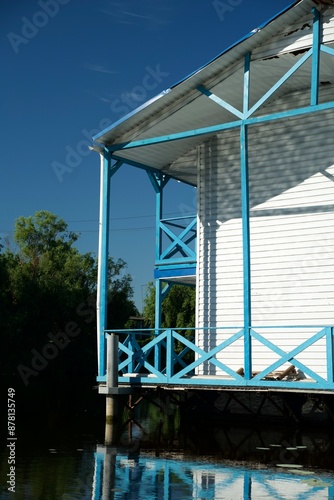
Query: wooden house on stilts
[253, 131]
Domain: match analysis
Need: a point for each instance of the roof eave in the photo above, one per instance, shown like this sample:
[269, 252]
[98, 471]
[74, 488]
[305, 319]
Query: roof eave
[103, 137]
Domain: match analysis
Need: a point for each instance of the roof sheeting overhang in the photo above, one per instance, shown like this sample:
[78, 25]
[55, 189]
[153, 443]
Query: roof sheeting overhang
[184, 107]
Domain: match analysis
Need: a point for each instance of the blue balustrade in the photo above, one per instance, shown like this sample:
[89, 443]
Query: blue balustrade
[184, 363]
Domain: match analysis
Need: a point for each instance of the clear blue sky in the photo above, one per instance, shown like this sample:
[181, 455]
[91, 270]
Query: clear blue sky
[72, 66]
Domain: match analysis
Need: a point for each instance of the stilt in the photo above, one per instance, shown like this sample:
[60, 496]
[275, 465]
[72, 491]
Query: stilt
[112, 403]
[111, 429]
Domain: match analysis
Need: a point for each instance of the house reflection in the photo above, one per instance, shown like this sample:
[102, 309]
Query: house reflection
[142, 476]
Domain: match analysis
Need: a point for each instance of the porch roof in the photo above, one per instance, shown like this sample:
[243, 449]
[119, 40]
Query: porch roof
[191, 104]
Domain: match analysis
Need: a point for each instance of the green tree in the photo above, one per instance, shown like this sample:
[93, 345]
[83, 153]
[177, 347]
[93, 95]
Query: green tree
[41, 234]
[177, 311]
[120, 292]
[47, 284]
[178, 307]
[48, 276]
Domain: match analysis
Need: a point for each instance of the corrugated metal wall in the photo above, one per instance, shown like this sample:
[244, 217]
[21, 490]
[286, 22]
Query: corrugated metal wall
[297, 36]
[291, 170]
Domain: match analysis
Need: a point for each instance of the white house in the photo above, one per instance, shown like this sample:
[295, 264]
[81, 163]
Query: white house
[253, 130]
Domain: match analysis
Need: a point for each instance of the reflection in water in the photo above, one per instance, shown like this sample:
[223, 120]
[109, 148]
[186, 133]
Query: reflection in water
[144, 477]
[187, 460]
[98, 472]
[269, 444]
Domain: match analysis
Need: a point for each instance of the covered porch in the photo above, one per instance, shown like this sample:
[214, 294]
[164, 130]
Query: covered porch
[239, 91]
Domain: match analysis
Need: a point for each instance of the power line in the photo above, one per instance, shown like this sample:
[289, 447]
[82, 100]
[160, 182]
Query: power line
[171, 214]
[113, 230]
[4, 231]
[124, 218]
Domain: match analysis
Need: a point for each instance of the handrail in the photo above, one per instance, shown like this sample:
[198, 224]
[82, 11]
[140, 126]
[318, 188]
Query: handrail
[213, 328]
[184, 217]
[182, 362]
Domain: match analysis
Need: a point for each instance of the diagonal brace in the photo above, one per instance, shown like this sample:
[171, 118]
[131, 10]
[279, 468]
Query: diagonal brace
[288, 357]
[280, 82]
[206, 356]
[220, 101]
[177, 240]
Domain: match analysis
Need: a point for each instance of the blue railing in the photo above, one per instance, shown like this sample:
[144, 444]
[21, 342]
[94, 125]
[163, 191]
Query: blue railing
[177, 240]
[172, 357]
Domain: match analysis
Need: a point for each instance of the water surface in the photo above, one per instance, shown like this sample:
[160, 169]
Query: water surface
[74, 469]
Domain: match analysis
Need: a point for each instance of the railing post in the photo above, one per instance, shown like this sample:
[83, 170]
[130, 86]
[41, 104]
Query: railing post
[169, 354]
[132, 347]
[330, 354]
[158, 306]
[112, 360]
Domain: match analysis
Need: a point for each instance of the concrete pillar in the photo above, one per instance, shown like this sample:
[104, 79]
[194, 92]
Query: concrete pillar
[112, 420]
[112, 361]
[112, 403]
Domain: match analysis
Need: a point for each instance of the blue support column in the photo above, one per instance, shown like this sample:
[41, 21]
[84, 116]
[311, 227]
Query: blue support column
[158, 182]
[169, 355]
[158, 250]
[158, 303]
[107, 170]
[157, 319]
[246, 226]
[315, 57]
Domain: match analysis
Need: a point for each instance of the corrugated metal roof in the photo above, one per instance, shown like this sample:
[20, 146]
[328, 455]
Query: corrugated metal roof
[183, 107]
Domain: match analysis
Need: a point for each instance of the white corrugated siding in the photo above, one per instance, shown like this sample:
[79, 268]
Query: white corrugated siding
[297, 36]
[291, 170]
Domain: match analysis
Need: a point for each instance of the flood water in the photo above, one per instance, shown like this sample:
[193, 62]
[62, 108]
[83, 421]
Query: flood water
[156, 460]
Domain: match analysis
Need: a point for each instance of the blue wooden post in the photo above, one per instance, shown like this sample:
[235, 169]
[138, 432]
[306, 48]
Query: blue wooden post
[158, 284]
[315, 56]
[158, 242]
[169, 355]
[158, 217]
[158, 181]
[158, 304]
[330, 354]
[246, 226]
[102, 286]
[103, 253]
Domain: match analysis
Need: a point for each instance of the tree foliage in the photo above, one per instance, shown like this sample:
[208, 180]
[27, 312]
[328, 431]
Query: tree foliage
[178, 307]
[46, 284]
[177, 311]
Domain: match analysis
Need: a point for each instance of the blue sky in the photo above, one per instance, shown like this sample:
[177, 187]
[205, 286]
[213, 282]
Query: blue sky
[70, 67]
